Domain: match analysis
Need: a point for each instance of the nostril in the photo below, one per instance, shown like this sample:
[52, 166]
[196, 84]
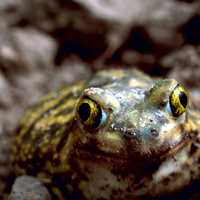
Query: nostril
[154, 132]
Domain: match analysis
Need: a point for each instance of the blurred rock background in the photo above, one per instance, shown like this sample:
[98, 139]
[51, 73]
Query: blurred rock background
[44, 44]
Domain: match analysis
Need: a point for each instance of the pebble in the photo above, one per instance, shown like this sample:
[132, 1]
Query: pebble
[27, 187]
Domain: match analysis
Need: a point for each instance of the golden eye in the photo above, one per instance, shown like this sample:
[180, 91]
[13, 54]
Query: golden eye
[90, 113]
[178, 100]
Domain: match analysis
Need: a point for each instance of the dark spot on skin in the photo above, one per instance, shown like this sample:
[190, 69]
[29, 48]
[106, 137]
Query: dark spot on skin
[162, 105]
[166, 181]
[84, 111]
[183, 99]
[193, 149]
[154, 132]
[174, 159]
[103, 188]
[118, 178]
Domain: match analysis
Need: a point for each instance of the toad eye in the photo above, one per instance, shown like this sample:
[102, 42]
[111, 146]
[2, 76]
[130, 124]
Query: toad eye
[178, 100]
[90, 113]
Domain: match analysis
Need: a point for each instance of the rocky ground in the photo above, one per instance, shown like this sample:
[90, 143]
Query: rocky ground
[44, 44]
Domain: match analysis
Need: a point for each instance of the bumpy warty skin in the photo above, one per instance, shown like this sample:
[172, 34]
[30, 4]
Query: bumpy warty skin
[132, 138]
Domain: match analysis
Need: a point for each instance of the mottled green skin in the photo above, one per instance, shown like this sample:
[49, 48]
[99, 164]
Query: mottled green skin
[129, 156]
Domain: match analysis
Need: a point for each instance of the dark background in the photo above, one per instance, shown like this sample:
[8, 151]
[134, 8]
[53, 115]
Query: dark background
[44, 44]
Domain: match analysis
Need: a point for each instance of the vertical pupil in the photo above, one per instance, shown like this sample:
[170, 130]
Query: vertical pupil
[84, 111]
[183, 99]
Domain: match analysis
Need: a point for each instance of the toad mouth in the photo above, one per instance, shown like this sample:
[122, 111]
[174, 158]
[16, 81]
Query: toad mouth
[91, 152]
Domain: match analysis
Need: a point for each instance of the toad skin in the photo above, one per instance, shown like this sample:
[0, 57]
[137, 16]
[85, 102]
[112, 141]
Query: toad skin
[120, 135]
